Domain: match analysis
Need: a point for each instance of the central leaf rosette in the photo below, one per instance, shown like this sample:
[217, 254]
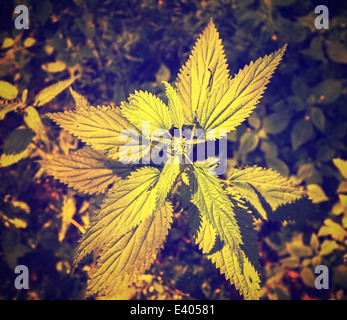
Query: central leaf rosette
[181, 146]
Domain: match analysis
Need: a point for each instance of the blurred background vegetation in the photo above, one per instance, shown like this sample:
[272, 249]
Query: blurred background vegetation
[116, 47]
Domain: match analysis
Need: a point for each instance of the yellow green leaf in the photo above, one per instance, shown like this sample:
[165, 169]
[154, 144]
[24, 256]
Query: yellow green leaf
[86, 170]
[298, 249]
[290, 262]
[316, 193]
[205, 70]
[248, 142]
[233, 263]
[16, 222]
[54, 67]
[68, 211]
[7, 43]
[144, 106]
[307, 277]
[9, 159]
[131, 202]
[342, 188]
[333, 229]
[327, 247]
[28, 42]
[8, 108]
[80, 101]
[317, 260]
[17, 146]
[49, 93]
[341, 166]
[33, 121]
[129, 254]
[166, 180]
[212, 202]
[24, 95]
[7, 90]
[255, 183]
[314, 242]
[98, 127]
[175, 106]
[163, 74]
[234, 100]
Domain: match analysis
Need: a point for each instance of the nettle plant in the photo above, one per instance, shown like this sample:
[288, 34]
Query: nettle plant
[124, 146]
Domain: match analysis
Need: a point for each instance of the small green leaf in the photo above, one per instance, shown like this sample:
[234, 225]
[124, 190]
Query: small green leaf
[254, 120]
[318, 118]
[269, 148]
[248, 142]
[17, 141]
[306, 171]
[290, 31]
[298, 249]
[301, 133]
[7, 43]
[163, 74]
[43, 10]
[17, 146]
[314, 242]
[337, 51]
[324, 153]
[24, 95]
[290, 262]
[300, 90]
[276, 122]
[29, 42]
[328, 91]
[278, 165]
[316, 49]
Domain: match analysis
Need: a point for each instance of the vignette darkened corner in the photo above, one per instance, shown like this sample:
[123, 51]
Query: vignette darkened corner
[81, 219]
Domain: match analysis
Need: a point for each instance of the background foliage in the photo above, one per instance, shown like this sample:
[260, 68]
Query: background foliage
[118, 46]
